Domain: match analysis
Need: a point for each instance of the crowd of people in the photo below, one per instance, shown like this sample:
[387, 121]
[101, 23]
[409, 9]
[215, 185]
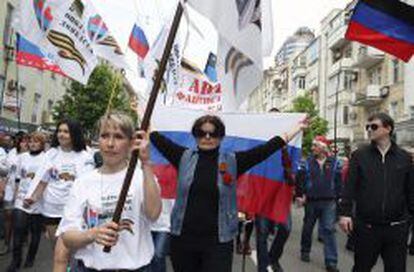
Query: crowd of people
[61, 187]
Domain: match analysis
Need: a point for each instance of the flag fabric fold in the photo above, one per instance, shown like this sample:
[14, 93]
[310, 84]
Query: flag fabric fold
[28, 54]
[261, 191]
[384, 24]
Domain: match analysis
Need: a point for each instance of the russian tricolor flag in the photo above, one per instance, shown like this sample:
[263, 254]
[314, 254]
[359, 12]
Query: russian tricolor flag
[385, 24]
[261, 191]
[28, 54]
[138, 41]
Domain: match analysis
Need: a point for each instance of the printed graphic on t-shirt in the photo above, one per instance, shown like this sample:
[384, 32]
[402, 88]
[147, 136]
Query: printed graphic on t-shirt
[94, 216]
[67, 172]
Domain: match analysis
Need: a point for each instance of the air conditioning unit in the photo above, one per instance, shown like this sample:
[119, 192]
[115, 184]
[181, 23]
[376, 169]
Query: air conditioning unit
[373, 91]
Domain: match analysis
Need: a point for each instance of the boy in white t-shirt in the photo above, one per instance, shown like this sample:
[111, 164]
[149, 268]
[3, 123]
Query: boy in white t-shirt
[87, 226]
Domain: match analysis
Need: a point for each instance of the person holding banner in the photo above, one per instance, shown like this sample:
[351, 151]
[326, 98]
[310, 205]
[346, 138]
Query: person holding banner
[87, 226]
[204, 219]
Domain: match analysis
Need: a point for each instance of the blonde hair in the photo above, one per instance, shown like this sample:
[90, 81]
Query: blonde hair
[120, 120]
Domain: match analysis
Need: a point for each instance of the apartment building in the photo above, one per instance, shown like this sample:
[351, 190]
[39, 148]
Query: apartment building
[27, 95]
[347, 80]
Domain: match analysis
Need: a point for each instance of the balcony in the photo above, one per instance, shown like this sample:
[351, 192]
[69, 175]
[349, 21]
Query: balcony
[337, 39]
[342, 64]
[299, 71]
[370, 96]
[368, 57]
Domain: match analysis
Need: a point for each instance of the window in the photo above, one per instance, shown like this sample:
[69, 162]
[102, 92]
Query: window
[301, 83]
[36, 105]
[348, 52]
[393, 109]
[348, 79]
[7, 34]
[345, 115]
[375, 76]
[49, 105]
[412, 112]
[396, 70]
[302, 61]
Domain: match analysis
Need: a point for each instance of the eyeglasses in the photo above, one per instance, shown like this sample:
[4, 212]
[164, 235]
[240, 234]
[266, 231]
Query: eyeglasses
[201, 134]
[373, 127]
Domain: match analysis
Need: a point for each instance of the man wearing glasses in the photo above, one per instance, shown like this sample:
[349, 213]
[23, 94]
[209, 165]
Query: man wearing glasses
[381, 185]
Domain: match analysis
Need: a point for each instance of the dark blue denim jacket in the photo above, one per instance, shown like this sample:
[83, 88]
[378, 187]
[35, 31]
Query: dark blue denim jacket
[227, 225]
[321, 183]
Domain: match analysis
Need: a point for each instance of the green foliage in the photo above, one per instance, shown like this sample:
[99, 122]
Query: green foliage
[88, 103]
[317, 126]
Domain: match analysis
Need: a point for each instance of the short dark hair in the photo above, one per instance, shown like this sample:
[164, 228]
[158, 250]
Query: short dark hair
[212, 119]
[274, 109]
[385, 119]
[76, 134]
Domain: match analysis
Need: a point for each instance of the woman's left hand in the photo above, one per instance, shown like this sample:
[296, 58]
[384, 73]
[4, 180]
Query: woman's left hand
[141, 143]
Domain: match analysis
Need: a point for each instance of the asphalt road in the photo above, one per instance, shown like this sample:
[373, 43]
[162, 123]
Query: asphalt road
[290, 260]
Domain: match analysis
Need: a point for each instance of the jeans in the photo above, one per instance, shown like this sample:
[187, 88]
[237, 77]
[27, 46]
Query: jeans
[22, 222]
[264, 227]
[161, 249]
[325, 211]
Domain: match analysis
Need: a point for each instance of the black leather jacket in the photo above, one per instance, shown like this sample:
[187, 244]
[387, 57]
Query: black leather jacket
[382, 188]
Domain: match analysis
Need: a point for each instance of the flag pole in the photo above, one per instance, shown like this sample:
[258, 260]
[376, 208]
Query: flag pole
[147, 115]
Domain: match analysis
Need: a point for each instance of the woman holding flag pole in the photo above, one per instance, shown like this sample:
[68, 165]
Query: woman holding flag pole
[204, 218]
[86, 226]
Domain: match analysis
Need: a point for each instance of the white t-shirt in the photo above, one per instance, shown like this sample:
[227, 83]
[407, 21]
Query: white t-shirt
[92, 202]
[11, 163]
[163, 223]
[27, 166]
[3, 163]
[59, 172]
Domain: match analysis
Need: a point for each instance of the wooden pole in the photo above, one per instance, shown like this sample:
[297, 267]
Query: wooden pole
[147, 115]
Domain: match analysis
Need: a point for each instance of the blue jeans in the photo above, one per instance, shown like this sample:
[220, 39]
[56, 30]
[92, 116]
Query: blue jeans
[325, 211]
[264, 227]
[161, 249]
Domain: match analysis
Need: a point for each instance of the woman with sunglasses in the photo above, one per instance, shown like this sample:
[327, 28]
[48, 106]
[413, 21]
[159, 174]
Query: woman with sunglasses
[204, 218]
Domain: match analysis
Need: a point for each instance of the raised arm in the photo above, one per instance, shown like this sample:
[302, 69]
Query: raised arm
[249, 158]
[152, 195]
[170, 150]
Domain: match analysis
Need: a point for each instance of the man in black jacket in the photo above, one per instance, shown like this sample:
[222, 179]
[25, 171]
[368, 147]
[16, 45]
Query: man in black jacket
[381, 185]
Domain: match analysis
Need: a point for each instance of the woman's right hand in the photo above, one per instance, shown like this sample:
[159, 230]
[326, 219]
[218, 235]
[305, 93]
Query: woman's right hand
[106, 234]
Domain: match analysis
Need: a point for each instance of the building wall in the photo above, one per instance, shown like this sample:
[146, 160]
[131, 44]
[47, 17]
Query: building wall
[38, 91]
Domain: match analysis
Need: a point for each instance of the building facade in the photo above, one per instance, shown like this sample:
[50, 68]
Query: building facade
[27, 95]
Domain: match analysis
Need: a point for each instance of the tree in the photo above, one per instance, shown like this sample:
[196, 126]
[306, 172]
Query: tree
[88, 103]
[317, 126]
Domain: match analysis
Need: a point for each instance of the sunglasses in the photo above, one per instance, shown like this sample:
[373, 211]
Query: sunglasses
[201, 134]
[373, 127]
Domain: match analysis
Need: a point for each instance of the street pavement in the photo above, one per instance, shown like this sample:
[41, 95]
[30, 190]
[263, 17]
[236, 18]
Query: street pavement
[290, 259]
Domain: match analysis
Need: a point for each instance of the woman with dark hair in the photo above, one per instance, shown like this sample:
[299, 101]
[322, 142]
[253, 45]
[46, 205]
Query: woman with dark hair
[27, 219]
[64, 162]
[204, 218]
[20, 141]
